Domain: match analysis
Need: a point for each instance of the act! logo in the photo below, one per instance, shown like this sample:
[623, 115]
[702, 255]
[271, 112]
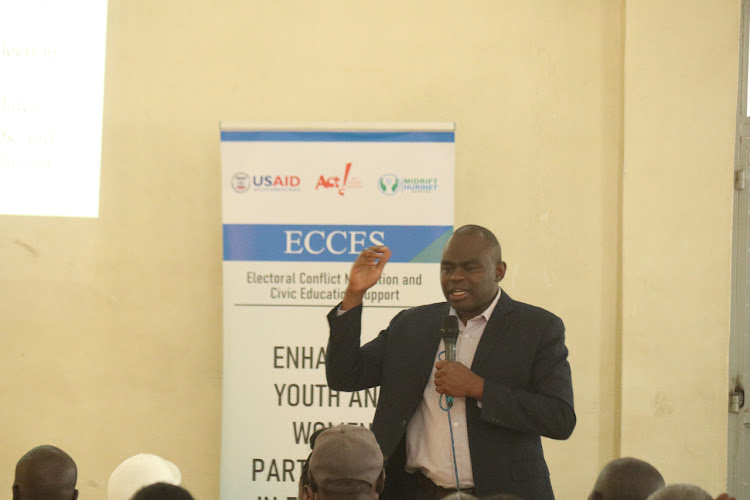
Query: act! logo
[341, 184]
[389, 184]
[242, 182]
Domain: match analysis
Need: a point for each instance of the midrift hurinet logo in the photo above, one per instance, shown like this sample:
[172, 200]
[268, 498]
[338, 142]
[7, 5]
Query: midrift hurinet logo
[242, 182]
[390, 184]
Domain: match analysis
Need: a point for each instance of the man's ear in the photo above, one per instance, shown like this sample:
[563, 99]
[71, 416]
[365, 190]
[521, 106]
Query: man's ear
[16, 492]
[500, 271]
[380, 483]
[309, 492]
[75, 494]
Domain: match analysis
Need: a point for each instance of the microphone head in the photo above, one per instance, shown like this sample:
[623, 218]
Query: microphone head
[449, 329]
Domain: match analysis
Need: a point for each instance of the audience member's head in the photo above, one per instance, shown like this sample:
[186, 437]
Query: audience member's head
[163, 491]
[45, 473]
[681, 491]
[304, 478]
[725, 496]
[626, 479]
[502, 496]
[346, 463]
[139, 471]
[460, 496]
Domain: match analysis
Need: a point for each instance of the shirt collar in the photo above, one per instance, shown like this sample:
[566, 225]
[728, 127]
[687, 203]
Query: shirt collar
[487, 312]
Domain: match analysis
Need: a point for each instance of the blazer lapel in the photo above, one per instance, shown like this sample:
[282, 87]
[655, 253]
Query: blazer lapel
[496, 328]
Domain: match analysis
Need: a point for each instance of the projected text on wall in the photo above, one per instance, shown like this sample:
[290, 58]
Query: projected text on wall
[51, 92]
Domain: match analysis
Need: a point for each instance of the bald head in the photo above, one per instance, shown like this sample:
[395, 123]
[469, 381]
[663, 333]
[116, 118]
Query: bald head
[45, 473]
[626, 479]
[484, 233]
[681, 491]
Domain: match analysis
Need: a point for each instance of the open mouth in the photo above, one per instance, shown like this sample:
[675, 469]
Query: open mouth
[457, 294]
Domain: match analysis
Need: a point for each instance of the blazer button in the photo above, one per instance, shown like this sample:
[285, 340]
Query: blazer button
[403, 423]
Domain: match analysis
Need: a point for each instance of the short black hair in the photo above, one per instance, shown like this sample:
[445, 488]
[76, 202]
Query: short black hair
[162, 491]
[315, 435]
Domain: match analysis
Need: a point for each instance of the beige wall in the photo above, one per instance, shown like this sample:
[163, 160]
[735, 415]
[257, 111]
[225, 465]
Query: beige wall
[680, 98]
[111, 328]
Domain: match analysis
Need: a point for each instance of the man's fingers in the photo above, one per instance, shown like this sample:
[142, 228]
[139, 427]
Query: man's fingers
[375, 256]
[384, 257]
[378, 255]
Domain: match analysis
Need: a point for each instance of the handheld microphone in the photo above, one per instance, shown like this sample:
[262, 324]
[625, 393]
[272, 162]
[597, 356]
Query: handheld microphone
[449, 332]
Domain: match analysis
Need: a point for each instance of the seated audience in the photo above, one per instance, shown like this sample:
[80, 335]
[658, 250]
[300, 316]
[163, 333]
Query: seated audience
[45, 473]
[346, 464]
[681, 491]
[139, 471]
[163, 491]
[626, 479]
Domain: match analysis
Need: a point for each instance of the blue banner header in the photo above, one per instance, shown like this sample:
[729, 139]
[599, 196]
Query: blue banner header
[313, 136]
[331, 243]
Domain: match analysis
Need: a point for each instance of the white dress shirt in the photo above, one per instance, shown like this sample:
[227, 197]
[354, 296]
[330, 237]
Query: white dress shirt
[428, 439]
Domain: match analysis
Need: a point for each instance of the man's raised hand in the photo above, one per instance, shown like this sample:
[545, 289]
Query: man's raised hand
[365, 272]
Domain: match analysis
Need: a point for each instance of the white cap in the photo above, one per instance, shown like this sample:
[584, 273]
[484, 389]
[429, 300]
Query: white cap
[139, 471]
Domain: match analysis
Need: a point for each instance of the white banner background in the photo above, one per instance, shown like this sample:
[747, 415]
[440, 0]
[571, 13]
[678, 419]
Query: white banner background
[286, 189]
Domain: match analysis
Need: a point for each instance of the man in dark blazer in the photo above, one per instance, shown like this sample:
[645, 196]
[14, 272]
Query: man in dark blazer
[511, 379]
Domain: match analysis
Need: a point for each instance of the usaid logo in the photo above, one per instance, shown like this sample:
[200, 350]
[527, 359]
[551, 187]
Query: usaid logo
[389, 184]
[241, 182]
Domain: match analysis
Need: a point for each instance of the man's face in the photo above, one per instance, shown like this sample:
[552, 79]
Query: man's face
[469, 273]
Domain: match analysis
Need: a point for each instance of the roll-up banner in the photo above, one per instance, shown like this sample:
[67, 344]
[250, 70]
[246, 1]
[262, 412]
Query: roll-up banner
[299, 204]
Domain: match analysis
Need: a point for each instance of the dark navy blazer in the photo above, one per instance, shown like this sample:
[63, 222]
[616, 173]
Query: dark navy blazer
[528, 390]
